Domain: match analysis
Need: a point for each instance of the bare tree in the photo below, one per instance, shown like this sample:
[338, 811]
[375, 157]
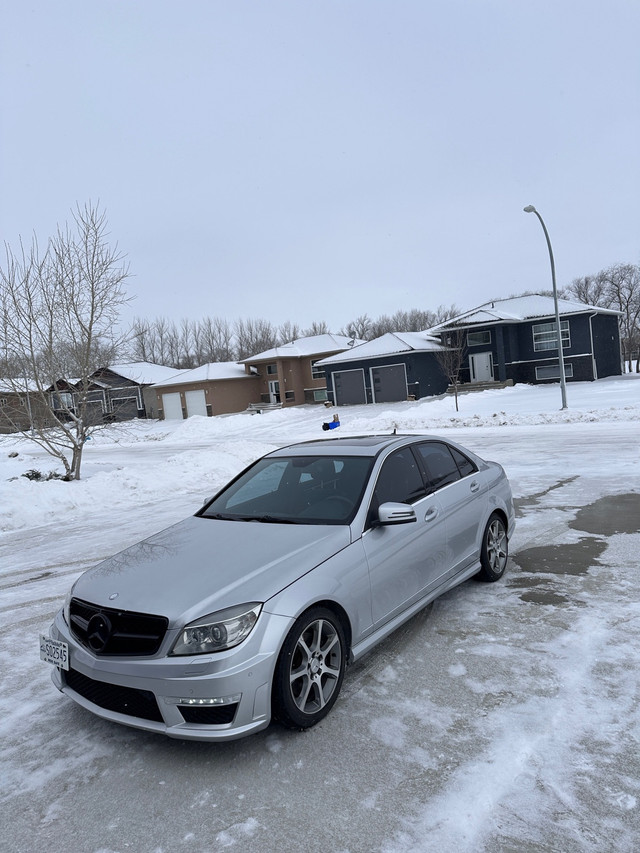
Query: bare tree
[452, 358]
[414, 320]
[140, 341]
[318, 327]
[288, 332]
[589, 289]
[217, 340]
[59, 311]
[253, 337]
[359, 328]
[622, 282]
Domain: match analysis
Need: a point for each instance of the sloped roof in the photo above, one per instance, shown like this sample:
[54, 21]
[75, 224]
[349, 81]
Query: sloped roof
[209, 372]
[517, 310]
[388, 344]
[143, 372]
[306, 347]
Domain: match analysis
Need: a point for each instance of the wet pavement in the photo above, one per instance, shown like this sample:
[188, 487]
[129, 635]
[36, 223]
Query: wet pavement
[605, 517]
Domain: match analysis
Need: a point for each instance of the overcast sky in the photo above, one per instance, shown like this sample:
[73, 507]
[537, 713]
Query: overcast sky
[319, 159]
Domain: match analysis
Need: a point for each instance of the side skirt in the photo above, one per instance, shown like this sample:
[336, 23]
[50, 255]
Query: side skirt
[389, 627]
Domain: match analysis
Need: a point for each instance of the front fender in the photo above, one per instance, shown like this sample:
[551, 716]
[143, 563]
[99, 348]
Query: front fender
[343, 579]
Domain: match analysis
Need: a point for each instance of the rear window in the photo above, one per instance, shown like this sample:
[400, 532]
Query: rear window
[440, 466]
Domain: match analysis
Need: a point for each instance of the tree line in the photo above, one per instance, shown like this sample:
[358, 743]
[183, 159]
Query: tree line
[185, 344]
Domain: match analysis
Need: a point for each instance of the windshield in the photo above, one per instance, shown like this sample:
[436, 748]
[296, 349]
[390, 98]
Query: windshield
[295, 490]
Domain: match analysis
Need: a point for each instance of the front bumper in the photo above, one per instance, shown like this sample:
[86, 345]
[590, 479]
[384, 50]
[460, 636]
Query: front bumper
[217, 697]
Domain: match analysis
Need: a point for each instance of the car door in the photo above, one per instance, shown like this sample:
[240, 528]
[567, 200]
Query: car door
[403, 559]
[463, 498]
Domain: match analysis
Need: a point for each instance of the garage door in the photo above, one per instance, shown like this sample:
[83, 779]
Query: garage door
[195, 403]
[348, 387]
[389, 383]
[172, 407]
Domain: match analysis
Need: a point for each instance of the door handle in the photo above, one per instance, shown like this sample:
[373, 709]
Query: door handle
[431, 513]
[475, 486]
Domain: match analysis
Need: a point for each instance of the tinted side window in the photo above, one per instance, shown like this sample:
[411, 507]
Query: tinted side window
[399, 479]
[439, 464]
[465, 466]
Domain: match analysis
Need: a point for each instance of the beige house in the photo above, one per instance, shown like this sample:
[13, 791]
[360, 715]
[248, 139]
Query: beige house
[216, 388]
[288, 374]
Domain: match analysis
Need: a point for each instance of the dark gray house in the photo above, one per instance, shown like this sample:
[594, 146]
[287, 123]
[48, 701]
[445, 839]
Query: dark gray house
[123, 391]
[396, 366]
[120, 392]
[516, 339]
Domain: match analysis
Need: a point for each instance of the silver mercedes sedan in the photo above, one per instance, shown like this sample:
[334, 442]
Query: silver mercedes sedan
[252, 609]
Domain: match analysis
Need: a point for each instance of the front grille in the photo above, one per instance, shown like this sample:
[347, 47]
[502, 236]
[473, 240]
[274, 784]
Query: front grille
[213, 716]
[112, 697]
[107, 631]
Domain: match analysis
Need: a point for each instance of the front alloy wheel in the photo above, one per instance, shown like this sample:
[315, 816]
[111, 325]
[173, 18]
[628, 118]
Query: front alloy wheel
[310, 669]
[495, 550]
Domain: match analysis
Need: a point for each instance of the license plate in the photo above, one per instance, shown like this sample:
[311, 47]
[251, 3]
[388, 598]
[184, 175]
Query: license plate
[54, 651]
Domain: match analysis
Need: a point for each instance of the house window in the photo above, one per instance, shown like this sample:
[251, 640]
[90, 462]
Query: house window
[320, 395]
[552, 371]
[272, 369]
[317, 372]
[289, 396]
[3, 401]
[65, 400]
[476, 339]
[545, 336]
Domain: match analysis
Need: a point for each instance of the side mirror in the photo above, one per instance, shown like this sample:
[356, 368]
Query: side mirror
[395, 513]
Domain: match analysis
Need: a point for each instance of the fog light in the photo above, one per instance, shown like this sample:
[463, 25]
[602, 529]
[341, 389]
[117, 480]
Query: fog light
[219, 700]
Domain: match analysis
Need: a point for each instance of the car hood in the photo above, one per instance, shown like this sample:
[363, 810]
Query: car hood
[202, 565]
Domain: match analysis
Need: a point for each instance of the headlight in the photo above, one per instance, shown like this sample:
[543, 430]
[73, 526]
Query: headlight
[218, 631]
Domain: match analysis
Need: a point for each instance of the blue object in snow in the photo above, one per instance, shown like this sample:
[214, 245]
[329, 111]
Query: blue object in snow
[332, 424]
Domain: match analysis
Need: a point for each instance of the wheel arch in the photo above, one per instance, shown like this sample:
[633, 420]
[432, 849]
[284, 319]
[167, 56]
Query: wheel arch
[340, 613]
[497, 510]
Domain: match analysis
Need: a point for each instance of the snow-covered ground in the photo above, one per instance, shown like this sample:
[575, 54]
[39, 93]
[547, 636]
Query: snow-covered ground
[505, 718]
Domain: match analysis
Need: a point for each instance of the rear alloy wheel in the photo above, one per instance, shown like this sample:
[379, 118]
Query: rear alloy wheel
[310, 669]
[495, 550]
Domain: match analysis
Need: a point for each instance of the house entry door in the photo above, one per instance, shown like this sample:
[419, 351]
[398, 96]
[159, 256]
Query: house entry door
[481, 367]
[274, 391]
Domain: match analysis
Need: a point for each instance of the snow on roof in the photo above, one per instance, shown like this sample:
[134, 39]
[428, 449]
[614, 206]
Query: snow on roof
[207, 373]
[517, 310]
[388, 344]
[305, 347]
[144, 372]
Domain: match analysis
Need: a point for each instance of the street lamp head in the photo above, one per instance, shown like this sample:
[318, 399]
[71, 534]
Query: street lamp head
[529, 209]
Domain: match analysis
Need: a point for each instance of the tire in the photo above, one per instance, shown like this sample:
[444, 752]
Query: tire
[310, 669]
[495, 550]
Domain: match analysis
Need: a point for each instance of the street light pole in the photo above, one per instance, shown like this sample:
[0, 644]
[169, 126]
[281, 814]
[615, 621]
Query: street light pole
[563, 382]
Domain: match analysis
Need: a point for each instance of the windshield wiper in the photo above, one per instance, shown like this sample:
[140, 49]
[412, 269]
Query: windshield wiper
[265, 519]
[272, 519]
[219, 516]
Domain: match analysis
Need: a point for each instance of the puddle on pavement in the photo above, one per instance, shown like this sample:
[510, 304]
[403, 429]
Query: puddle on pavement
[604, 517]
[537, 591]
[610, 515]
[544, 596]
[573, 559]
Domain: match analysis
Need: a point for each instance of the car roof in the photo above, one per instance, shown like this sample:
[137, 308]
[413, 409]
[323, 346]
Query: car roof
[351, 445]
